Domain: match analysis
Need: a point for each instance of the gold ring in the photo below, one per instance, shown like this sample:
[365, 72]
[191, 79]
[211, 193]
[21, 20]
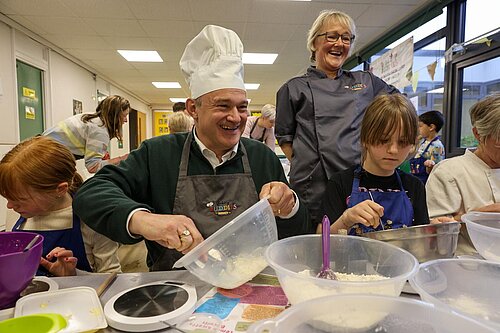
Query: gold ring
[185, 233]
[279, 211]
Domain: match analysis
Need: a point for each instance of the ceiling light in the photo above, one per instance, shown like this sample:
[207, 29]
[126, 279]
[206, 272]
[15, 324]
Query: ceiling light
[248, 100]
[140, 56]
[166, 85]
[259, 58]
[252, 86]
[175, 100]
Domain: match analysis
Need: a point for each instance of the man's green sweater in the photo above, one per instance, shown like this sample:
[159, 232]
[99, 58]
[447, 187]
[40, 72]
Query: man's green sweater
[148, 179]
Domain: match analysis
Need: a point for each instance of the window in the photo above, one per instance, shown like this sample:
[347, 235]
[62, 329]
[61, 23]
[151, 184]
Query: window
[481, 17]
[479, 80]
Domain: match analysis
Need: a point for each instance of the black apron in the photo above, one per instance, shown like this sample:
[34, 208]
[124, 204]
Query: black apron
[211, 201]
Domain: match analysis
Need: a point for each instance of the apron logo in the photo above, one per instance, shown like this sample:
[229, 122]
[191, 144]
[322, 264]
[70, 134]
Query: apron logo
[357, 86]
[221, 208]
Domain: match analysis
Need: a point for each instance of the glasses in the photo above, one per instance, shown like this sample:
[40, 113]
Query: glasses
[332, 37]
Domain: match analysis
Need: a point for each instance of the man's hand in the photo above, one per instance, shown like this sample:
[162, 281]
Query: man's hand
[64, 264]
[171, 231]
[281, 197]
[442, 219]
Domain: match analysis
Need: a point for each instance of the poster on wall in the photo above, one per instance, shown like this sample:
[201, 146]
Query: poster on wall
[77, 107]
[29, 112]
[395, 66]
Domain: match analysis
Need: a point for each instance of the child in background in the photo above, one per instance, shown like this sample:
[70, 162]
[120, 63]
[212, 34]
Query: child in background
[88, 135]
[38, 178]
[431, 149]
[375, 195]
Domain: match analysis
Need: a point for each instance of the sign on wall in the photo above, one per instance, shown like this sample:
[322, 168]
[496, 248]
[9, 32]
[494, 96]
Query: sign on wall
[160, 122]
[395, 66]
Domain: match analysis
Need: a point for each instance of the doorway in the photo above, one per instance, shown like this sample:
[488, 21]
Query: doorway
[30, 100]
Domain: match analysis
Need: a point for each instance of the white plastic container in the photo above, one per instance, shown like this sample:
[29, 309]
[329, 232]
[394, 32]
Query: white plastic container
[293, 256]
[484, 231]
[80, 306]
[234, 254]
[468, 286]
[367, 313]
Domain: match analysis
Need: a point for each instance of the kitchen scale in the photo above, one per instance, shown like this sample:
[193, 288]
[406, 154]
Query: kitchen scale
[152, 306]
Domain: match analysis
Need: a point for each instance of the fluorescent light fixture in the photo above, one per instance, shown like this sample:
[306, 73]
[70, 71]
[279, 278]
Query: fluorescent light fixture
[252, 86]
[166, 85]
[259, 58]
[175, 100]
[249, 99]
[140, 56]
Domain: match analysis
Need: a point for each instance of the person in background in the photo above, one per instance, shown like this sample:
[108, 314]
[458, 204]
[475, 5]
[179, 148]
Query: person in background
[180, 122]
[431, 149]
[318, 114]
[87, 136]
[38, 178]
[470, 182]
[179, 106]
[262, 128]
[375, 195]
[176, 190]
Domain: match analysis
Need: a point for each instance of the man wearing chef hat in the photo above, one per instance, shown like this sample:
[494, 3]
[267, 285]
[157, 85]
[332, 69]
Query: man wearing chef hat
[176, 190]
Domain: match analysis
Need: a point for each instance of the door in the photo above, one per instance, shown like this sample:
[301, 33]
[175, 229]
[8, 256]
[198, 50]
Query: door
[30, 100]
[141, 127]
[137, 128]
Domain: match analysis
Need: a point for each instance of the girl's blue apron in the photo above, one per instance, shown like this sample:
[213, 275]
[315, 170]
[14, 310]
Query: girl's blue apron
[70, 239]
[417, 166]
[398, 210]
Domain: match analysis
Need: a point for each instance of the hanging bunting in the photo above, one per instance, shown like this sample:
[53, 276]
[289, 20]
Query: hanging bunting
[414, 81]
[483, 40]
[431, 69]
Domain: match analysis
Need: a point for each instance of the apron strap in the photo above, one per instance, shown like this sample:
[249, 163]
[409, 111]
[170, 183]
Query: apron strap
[187, 149]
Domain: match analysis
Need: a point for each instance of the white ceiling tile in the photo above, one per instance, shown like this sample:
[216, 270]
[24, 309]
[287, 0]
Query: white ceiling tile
[284, 12]
[380, 15]
[116, 27]
[35, 7]
[220, 11]
[159, 9]
[268, 31]
[173, 29]
[99, 8]
[129, 43]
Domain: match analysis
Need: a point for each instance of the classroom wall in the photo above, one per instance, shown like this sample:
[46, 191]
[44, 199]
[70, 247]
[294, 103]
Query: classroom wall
[64, 80]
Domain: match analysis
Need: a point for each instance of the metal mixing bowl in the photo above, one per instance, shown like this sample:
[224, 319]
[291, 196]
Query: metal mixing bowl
[425, 242]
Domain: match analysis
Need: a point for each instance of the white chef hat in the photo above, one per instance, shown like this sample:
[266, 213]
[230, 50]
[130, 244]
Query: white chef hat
[213, 60]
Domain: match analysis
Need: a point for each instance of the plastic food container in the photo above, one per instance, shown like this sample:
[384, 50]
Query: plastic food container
[367, 313]
[484, 231]
[426, 242]
[469, 286]
[18, 268]
[293, 258]
[234, 254]
[36, 323]
[80, 306]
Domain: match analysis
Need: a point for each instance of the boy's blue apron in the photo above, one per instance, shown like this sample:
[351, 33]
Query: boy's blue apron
[398, 210]
[417, 166]
[70, 239]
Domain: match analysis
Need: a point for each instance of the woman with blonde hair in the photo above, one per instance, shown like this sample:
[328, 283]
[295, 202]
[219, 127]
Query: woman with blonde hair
[318, 114]
[38, 178]
[180, 122]
[375, 195]
[87, 136]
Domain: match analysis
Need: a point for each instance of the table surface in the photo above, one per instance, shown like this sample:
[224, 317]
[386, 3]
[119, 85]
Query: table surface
[128, 280]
